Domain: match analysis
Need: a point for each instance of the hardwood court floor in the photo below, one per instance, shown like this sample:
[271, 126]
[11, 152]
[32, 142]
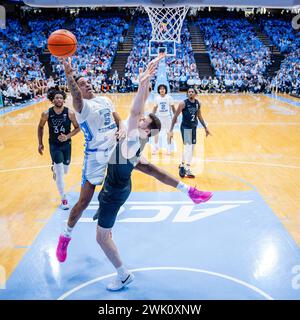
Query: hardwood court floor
[254, 144]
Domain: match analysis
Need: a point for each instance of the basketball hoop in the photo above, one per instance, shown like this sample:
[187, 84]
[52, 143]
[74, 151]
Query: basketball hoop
[166, 28]
[166, 22]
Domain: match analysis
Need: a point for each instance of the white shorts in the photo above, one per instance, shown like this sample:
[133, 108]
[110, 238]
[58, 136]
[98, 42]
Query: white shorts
[165, 123]
[94, 166]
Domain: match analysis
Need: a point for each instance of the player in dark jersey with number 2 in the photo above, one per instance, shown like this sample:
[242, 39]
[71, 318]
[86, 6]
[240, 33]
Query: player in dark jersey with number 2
[190, 109]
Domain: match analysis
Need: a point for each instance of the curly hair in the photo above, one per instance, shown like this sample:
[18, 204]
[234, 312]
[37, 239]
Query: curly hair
[162, 86]
[53, 92]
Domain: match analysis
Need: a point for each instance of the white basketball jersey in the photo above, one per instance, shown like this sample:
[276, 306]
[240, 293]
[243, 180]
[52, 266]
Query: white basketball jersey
[97, 123]
[164, 105]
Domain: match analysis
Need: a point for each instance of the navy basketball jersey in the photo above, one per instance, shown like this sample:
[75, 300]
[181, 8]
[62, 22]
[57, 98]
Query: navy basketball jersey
[58, 124]
[189, 113]
[120, 168]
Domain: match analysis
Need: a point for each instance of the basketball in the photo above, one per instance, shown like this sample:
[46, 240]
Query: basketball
[62, 43]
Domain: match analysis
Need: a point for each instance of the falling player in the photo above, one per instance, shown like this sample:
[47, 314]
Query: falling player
[164, 105]
[59, 120]
[194, 194]
[117, 184]
[190, 109]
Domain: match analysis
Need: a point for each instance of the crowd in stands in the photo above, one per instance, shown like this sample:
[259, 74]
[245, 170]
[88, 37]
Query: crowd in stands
[287, 41]
[25, 78]
[22, 75]
[237, 56]
[239, 59]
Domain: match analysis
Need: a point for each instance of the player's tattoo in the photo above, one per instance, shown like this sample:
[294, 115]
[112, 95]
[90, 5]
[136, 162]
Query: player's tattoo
[76, 93]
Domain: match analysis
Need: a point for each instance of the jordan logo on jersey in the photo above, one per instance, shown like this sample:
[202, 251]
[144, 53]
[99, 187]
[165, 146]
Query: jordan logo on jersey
[58, 122]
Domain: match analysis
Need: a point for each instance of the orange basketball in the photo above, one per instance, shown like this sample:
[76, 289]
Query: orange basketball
[62, 43]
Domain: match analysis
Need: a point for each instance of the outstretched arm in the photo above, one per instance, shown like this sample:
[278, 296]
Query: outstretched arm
[75, 91]
[137, 109]
[43, 120]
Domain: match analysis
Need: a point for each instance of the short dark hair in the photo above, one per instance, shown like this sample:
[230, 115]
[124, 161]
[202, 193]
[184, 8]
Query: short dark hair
[53, 92]
[193, 88]
[155, 125]
[77, 77]
[162, 86]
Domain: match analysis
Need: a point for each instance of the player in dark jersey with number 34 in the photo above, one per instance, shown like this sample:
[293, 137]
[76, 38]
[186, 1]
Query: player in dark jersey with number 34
[59, 120]
[191, 113]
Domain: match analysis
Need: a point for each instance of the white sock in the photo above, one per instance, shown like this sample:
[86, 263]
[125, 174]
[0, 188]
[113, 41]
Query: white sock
[188, 153]
[183, 187]
[59, 171]
[66, 168]
[169, 147]
[68, 231]
[122, 272]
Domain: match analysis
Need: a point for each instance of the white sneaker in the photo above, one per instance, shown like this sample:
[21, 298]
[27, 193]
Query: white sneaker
[64, 204]
[118, 284]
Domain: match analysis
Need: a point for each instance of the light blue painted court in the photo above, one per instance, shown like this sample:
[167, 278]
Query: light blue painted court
[232, 247]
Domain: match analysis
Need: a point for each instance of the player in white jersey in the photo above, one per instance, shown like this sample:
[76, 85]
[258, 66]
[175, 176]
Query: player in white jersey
[163, 108]
[101, 126]
[146, 124]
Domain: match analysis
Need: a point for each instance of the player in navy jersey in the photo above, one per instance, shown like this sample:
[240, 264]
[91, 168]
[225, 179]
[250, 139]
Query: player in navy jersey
[59, 120]
[191, 113]
[117, 184]
[119, 176]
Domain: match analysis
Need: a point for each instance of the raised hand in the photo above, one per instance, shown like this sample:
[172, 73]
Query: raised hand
[68, 66]
[151, 68]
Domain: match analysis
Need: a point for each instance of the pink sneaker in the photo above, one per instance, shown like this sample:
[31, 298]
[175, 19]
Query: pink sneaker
[199, 196]
[61, 250]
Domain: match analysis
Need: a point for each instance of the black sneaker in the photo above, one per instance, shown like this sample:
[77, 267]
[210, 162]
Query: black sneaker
[181, 171]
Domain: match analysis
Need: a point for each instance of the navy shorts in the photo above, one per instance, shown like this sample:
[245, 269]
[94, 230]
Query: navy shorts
[61, 153]
[189, 135]
[111, 200]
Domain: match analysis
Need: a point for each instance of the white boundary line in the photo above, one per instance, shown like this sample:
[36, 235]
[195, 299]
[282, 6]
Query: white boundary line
[220, 275]
[265, 164]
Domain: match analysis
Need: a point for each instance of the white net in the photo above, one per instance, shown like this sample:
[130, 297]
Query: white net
[166, 22]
